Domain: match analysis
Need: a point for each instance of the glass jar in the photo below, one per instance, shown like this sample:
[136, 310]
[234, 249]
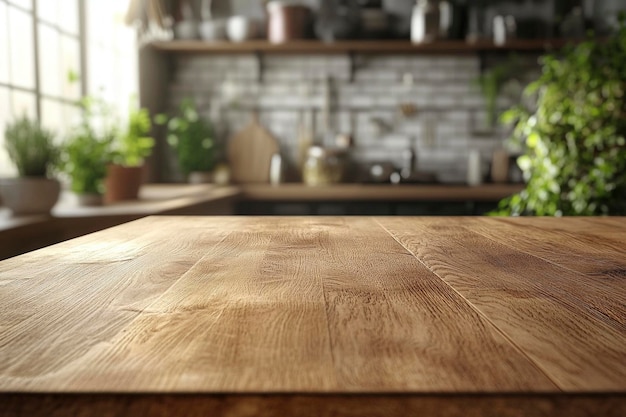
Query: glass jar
[323, 166]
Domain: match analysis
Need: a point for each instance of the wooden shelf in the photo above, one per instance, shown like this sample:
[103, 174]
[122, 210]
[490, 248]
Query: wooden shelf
[362, 47]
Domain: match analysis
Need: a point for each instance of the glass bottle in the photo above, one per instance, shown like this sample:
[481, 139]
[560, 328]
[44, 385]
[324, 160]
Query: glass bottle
[425, 21]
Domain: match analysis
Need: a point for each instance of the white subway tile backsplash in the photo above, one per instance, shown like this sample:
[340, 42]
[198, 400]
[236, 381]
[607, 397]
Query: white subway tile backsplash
[386, 100]
[472, 101]
[442, 101]
[442, 88]
[458, 118]
[396, 141]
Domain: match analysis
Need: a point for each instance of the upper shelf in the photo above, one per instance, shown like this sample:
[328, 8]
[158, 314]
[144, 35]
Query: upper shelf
[363, 47]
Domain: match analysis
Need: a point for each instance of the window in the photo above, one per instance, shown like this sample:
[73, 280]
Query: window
[41, 44]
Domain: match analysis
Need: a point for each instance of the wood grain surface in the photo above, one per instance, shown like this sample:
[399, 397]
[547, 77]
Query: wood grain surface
[333, 315]
[560, 320]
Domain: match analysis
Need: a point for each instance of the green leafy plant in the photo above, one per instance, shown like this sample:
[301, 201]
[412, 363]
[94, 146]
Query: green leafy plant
[192, 138]
[87, 151]
[30, 147]
[134, 145]
[575, 159]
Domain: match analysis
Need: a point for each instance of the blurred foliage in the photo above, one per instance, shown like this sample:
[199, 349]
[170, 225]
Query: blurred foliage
[191, 137]
[575, 159]
[30, 147]
[87, 150]
[132, 147]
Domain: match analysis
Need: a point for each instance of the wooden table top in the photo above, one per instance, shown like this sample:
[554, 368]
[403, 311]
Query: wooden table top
[312, 316]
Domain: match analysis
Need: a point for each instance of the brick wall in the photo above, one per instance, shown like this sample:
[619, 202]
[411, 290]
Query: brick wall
[450, 117]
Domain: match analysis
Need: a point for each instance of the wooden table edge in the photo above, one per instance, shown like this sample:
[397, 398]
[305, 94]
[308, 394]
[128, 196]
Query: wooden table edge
[314, 404]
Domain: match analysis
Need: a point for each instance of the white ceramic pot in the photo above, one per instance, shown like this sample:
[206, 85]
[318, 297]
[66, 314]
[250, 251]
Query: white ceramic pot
[30, 195]
[241, 28]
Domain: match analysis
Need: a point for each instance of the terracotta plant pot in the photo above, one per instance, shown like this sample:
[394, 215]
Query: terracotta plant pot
[122, 183]
[30, 195]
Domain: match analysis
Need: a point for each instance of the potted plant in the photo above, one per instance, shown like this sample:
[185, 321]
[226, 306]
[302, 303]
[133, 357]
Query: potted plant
[31, 148]
[131, 148]
[87, 152]
[575, 158]
[192, 139]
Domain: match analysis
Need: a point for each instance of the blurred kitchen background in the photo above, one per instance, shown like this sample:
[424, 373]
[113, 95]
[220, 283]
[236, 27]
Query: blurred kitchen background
[391, 91]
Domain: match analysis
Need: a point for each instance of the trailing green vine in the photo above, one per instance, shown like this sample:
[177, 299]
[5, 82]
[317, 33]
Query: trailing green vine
[575, 159]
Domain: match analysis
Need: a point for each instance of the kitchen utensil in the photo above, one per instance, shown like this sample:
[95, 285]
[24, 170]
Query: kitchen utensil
[500, 166]
[305, 137]
[408, 163]
[474, 168]
[276, 169]
[250, 153]
[407, 110]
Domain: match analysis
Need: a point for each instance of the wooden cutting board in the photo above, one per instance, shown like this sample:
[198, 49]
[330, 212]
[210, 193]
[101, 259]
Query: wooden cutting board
[250, 152]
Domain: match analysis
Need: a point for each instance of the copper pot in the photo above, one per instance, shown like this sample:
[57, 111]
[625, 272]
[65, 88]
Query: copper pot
[287, 21]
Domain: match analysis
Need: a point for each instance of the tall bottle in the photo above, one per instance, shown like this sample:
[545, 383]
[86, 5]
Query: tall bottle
[425, 21]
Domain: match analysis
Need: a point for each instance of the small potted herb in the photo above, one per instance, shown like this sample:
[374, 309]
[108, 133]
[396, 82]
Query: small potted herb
[87, 152]
[192, 138]
[33, 152]
[131, 148]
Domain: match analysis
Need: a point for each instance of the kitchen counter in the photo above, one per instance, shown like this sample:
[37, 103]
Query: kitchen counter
[68, 220]
[153, 199]
[379, 192]
[174, 198]
[24, 233]
[312, 316]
